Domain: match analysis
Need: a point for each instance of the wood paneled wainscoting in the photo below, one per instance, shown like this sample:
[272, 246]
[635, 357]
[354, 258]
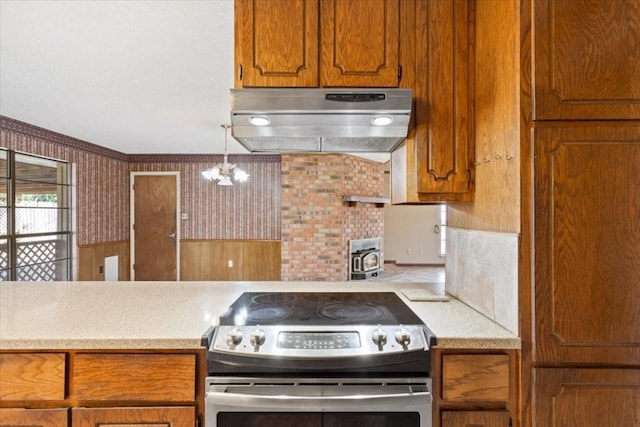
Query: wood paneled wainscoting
[91, 260]
[230, 260]
[199, 260]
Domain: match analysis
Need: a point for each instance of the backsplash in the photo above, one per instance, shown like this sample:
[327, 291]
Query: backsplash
[482, 271]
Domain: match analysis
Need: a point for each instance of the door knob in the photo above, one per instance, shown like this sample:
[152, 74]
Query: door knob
[172, 235]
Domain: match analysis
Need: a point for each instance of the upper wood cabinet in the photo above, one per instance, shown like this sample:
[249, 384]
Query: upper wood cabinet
[316, 43]
[276, 43]
[359, 41]
[587, 246]
[435, 163]
[586, 59]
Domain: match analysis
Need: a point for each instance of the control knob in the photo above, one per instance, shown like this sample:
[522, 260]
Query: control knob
[403, 337]
[257, 337]
[379, 337]
[234, 337]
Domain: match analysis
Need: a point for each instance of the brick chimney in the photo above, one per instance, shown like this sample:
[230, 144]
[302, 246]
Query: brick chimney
[316, 225]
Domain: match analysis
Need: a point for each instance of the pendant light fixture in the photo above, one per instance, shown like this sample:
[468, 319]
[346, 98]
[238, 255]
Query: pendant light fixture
[222, 172]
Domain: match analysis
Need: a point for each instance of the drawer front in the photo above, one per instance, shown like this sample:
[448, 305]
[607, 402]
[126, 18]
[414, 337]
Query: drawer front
[32, 376]
[19, 417]
[176, 416]
[475, 377]
[139, 377]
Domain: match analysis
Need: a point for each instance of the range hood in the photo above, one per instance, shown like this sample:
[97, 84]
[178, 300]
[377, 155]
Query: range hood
[314, 120]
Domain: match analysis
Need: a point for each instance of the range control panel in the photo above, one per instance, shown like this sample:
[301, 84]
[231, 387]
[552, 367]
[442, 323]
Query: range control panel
[307, 341]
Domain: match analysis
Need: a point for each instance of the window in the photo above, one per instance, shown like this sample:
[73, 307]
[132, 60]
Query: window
[35, 217]
[443, 230]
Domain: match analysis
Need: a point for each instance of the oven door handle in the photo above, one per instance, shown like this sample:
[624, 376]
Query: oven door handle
[224, 400]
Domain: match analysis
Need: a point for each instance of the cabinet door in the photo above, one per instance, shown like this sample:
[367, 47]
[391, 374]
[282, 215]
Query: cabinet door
[359, 43]
[475, 419]
[443, 149]
[276, 43]
[134, 417]
[586, 397]
[587, 245]
[20, 417]
[586, 57]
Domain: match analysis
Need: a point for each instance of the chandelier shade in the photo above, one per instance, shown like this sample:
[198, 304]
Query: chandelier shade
[222, 172]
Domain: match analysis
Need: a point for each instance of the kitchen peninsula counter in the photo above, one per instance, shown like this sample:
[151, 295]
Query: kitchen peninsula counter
[174, 315]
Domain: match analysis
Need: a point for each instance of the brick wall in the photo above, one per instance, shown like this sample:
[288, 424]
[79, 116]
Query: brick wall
[316, 225]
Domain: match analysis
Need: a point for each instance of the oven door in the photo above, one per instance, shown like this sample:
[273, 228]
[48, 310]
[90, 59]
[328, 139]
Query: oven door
[286, 402]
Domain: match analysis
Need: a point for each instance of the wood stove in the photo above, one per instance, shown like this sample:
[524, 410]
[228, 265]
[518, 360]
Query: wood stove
[364, 258]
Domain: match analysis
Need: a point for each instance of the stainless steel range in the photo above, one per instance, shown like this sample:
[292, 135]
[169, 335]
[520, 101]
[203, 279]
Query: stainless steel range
[319, 359]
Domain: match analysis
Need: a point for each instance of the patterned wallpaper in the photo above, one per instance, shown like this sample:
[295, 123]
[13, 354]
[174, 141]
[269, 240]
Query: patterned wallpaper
[300, 194]
[250, 210]
[102, 178]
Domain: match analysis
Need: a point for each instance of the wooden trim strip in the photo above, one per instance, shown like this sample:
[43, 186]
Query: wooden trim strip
[27, 129]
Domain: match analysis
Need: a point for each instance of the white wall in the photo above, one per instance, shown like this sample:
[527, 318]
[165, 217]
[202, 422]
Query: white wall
[409, 236]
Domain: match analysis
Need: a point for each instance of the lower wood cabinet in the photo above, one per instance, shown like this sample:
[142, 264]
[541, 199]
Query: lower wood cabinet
[91, 388]
[586, 397]
[32, 376]
[475, 388]
[19, 417]
[133, 417]
[476, 419]
[475, 377]
[133, 377]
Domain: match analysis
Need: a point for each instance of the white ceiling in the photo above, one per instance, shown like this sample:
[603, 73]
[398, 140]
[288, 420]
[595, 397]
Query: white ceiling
[137, 76]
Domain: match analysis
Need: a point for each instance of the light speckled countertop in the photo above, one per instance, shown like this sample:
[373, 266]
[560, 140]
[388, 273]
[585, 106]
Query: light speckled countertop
[174, 315]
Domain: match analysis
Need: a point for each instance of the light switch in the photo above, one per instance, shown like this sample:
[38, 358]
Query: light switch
[230, 263]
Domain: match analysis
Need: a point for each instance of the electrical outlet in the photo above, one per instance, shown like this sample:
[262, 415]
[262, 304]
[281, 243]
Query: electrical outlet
[408, 251]
[185, 215]
[230, 263]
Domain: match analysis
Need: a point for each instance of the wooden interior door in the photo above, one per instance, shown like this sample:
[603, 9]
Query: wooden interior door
[155, 231]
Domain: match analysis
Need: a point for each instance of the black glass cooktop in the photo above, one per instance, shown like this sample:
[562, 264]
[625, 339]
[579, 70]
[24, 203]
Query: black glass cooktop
[319, 308]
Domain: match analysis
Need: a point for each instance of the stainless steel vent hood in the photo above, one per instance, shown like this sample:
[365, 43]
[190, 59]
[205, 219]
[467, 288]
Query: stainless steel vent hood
[312, 120]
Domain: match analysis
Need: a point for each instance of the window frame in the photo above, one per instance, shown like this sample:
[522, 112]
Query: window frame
[64, 217]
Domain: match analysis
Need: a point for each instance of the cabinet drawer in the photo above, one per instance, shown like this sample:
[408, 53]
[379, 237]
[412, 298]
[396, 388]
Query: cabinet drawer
[19, 417]
[144, 377]
[475, 418]
[32, 376]
[475, 377]
[177, 416]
